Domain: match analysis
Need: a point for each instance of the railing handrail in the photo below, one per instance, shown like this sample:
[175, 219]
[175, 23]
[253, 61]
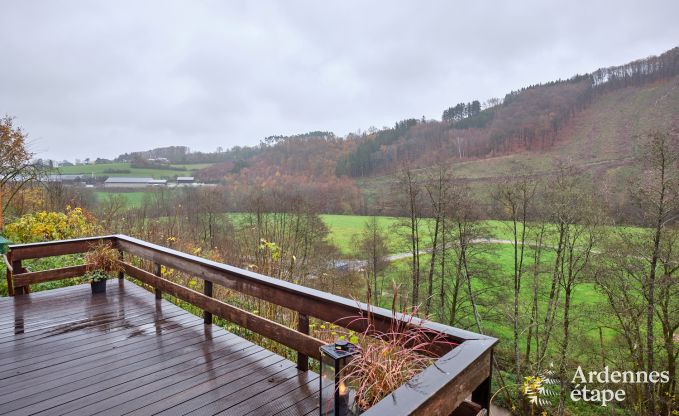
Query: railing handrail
[428, 391]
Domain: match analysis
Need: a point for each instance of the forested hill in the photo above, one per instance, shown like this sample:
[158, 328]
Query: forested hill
[579, 118]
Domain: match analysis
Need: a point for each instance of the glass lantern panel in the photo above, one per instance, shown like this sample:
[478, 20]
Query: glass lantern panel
[327, 385]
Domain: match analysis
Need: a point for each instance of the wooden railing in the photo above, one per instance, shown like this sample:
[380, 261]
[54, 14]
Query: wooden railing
[445, 387]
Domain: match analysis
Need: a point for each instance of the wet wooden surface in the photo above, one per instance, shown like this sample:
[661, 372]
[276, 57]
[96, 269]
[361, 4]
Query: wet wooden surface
[66, 351]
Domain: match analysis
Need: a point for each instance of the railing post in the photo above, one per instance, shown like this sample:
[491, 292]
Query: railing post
[121, 258]
[482, 393]
[17, 267]
[303, 327]
[207, 291]
[157, 272]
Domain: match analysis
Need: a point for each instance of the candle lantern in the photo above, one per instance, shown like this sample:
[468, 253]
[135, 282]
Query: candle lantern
[337, 398]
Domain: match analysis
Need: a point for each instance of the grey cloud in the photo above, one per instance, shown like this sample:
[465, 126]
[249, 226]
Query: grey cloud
[101, 78]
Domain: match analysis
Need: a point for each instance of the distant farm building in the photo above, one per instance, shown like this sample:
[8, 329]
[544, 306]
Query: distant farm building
[121, 182]
[66, 179]
[185, 180]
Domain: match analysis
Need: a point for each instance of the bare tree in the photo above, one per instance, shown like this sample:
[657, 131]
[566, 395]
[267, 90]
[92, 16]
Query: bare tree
[408, 193]
[515, 197]
[437, 186]
[372, 246]
[640, 278]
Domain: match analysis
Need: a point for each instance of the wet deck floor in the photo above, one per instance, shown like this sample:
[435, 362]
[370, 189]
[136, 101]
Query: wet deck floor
[66, 351]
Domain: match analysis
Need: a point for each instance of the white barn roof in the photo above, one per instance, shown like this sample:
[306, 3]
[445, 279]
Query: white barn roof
[118, 179]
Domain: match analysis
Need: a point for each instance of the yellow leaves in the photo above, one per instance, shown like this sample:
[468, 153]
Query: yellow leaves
[271, 248]
[46, 226]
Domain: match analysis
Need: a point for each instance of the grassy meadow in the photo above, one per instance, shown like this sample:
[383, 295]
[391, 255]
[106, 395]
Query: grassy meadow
[109, 169]
[133, 199]
[494, 291]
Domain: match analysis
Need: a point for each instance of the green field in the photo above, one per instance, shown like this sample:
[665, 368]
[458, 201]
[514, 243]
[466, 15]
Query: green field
[108, 169]
[493, 298]
[343, 228]
[133, 199]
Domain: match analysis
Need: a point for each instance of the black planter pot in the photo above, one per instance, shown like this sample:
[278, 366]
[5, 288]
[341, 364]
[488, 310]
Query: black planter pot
[98, 287]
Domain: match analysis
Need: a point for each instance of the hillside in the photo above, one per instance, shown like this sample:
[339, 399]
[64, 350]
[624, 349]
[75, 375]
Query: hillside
[600, 139]
[590, 119]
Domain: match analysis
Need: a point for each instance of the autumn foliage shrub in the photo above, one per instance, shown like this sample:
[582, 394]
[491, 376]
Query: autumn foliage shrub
[48, 226]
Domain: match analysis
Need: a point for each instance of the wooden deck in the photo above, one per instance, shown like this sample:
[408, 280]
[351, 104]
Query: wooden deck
[66, 351]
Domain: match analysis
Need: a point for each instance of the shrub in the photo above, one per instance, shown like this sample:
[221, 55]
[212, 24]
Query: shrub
[47, 226]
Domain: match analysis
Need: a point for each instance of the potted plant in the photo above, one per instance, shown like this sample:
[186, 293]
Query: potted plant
[378, 362]
[102, 263]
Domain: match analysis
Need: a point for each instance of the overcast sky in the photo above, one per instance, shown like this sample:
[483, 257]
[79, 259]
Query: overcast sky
[100, 78]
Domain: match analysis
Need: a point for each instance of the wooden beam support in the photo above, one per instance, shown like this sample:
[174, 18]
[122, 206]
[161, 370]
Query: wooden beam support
[121, 257]
[207, 291]
[467, 408]
[338, 310]
[262, 326]
[303, 327]
[31, 278]
[483, 391]
[56, 248]
[20, 287]
[157, 270]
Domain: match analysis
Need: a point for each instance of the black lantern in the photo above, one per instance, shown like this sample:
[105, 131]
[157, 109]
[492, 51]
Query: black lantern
[337, 398]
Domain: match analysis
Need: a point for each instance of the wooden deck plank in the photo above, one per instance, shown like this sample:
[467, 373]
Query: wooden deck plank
[164, 353]
[76, 333]
[200, 390]
[47, 309]
[295, 400]
[308, 406]
[103, 356]
[235, 392]
[124, 331]
[104, 389]
[82, 307]
[109, 373]
[200, 378]
[275, 399]
[126, 353]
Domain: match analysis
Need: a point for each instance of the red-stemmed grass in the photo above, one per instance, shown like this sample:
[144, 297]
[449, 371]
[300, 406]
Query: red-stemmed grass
[102, 258]
[387, 360]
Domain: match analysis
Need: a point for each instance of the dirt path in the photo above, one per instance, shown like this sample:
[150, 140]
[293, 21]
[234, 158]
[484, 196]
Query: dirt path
[355, 264]
[498, 411]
